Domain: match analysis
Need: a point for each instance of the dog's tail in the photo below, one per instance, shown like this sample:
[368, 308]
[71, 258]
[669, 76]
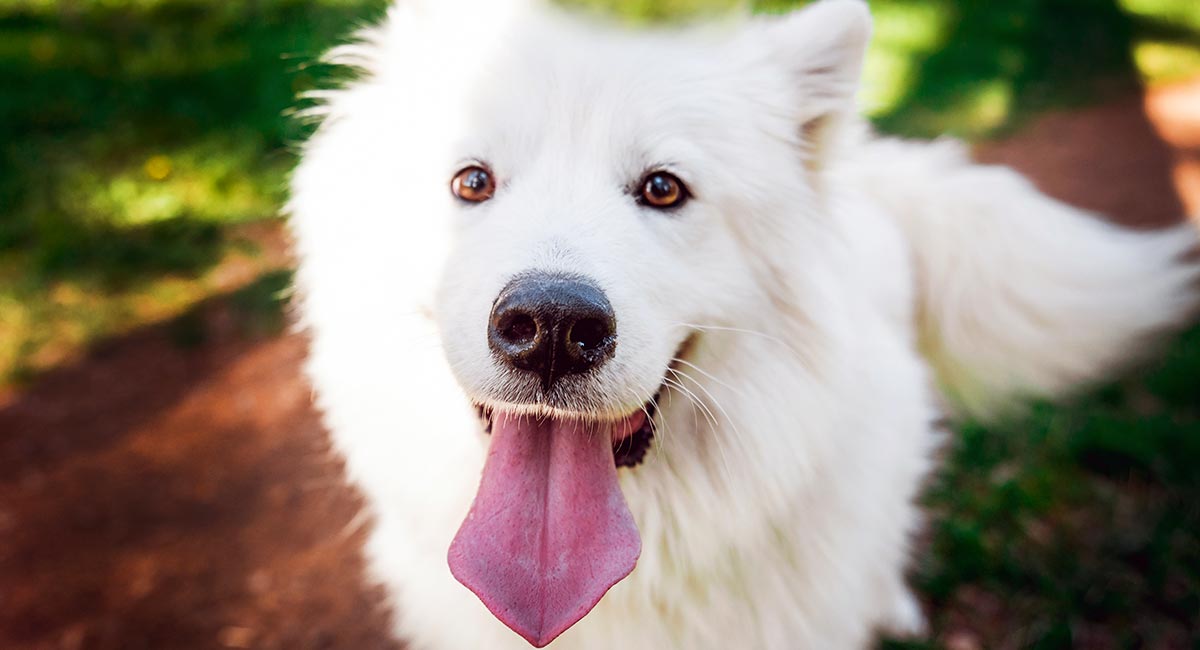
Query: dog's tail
[1021, 296]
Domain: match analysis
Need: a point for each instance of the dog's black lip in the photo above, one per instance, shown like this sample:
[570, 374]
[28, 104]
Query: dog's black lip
[485, 418]
[631, 450]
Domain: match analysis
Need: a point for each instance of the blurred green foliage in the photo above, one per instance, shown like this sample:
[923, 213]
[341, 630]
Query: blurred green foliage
[139, 138]
[128, 114]
[136, 135]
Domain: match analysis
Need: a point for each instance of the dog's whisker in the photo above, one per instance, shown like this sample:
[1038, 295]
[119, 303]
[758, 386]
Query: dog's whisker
[659, 440]
[707, 374]
[712, 419]
[740, 330]
[655, 440]
[709, 416]
[738, 437]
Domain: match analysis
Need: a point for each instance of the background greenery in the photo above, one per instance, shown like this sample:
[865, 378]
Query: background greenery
[139, 137]
[144, 143]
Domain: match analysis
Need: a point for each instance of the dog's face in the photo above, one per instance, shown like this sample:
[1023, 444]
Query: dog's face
[604, 158]
[599, 171]
[572, 206]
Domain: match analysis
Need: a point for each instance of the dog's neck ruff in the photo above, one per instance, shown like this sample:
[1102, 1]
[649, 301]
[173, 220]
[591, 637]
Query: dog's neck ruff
[549, 532]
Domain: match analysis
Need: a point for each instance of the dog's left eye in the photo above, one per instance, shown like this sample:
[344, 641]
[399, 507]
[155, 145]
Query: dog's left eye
[474, 184]
[662, 190]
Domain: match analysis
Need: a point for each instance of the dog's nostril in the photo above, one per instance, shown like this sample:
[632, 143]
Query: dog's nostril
[519, 329]
[552, 325]
[589, 334]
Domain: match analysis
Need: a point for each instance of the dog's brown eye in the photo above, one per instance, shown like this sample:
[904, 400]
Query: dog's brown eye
[473, 184]
[662, 190]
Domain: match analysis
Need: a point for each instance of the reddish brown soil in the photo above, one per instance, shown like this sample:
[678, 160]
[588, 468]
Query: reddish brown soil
[1136, 161]
[153, 496]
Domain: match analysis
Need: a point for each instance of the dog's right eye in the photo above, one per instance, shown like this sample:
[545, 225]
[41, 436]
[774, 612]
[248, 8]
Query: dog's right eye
[474, 184]
[663, 191]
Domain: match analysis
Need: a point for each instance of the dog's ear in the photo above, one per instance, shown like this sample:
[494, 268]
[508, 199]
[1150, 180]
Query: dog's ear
[821, 47]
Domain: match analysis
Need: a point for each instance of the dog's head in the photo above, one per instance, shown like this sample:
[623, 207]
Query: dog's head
[573, 205]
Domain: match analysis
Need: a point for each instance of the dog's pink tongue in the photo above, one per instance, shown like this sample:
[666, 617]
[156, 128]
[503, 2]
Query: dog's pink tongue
[549, 532]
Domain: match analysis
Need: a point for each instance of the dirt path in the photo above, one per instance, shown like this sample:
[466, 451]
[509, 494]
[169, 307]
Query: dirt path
[1136, 161]
[159, 497]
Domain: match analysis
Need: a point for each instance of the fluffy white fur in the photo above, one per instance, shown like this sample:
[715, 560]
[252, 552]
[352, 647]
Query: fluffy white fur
[829, 276]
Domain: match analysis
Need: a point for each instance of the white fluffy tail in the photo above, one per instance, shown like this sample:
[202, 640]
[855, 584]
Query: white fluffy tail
[1022, 296]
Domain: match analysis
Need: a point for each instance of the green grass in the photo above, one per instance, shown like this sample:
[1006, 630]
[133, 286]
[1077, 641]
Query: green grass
[141, 140]
[141, 136]
[1080, 516]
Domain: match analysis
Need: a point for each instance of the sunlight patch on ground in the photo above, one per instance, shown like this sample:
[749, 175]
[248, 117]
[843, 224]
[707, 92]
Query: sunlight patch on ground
[1185, 13]
[1176, 55]
[1175, 112]
[1166, 61]
[216, 179]
[44, 325]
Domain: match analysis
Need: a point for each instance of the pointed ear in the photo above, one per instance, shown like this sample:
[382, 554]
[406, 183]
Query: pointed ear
[822, 47]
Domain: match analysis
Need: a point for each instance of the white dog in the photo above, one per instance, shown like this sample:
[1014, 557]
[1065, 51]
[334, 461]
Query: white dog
[654, 312]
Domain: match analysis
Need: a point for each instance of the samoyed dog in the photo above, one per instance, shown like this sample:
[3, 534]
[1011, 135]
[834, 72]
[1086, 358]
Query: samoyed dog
[640, 339]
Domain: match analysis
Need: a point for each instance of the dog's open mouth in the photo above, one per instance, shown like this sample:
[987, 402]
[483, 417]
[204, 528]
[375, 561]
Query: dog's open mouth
[549, 532]
[630, 444]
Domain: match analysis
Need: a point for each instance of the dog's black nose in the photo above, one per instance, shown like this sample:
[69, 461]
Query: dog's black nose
[552, 325]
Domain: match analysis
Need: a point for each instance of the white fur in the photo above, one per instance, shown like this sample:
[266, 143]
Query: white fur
[824, 271]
